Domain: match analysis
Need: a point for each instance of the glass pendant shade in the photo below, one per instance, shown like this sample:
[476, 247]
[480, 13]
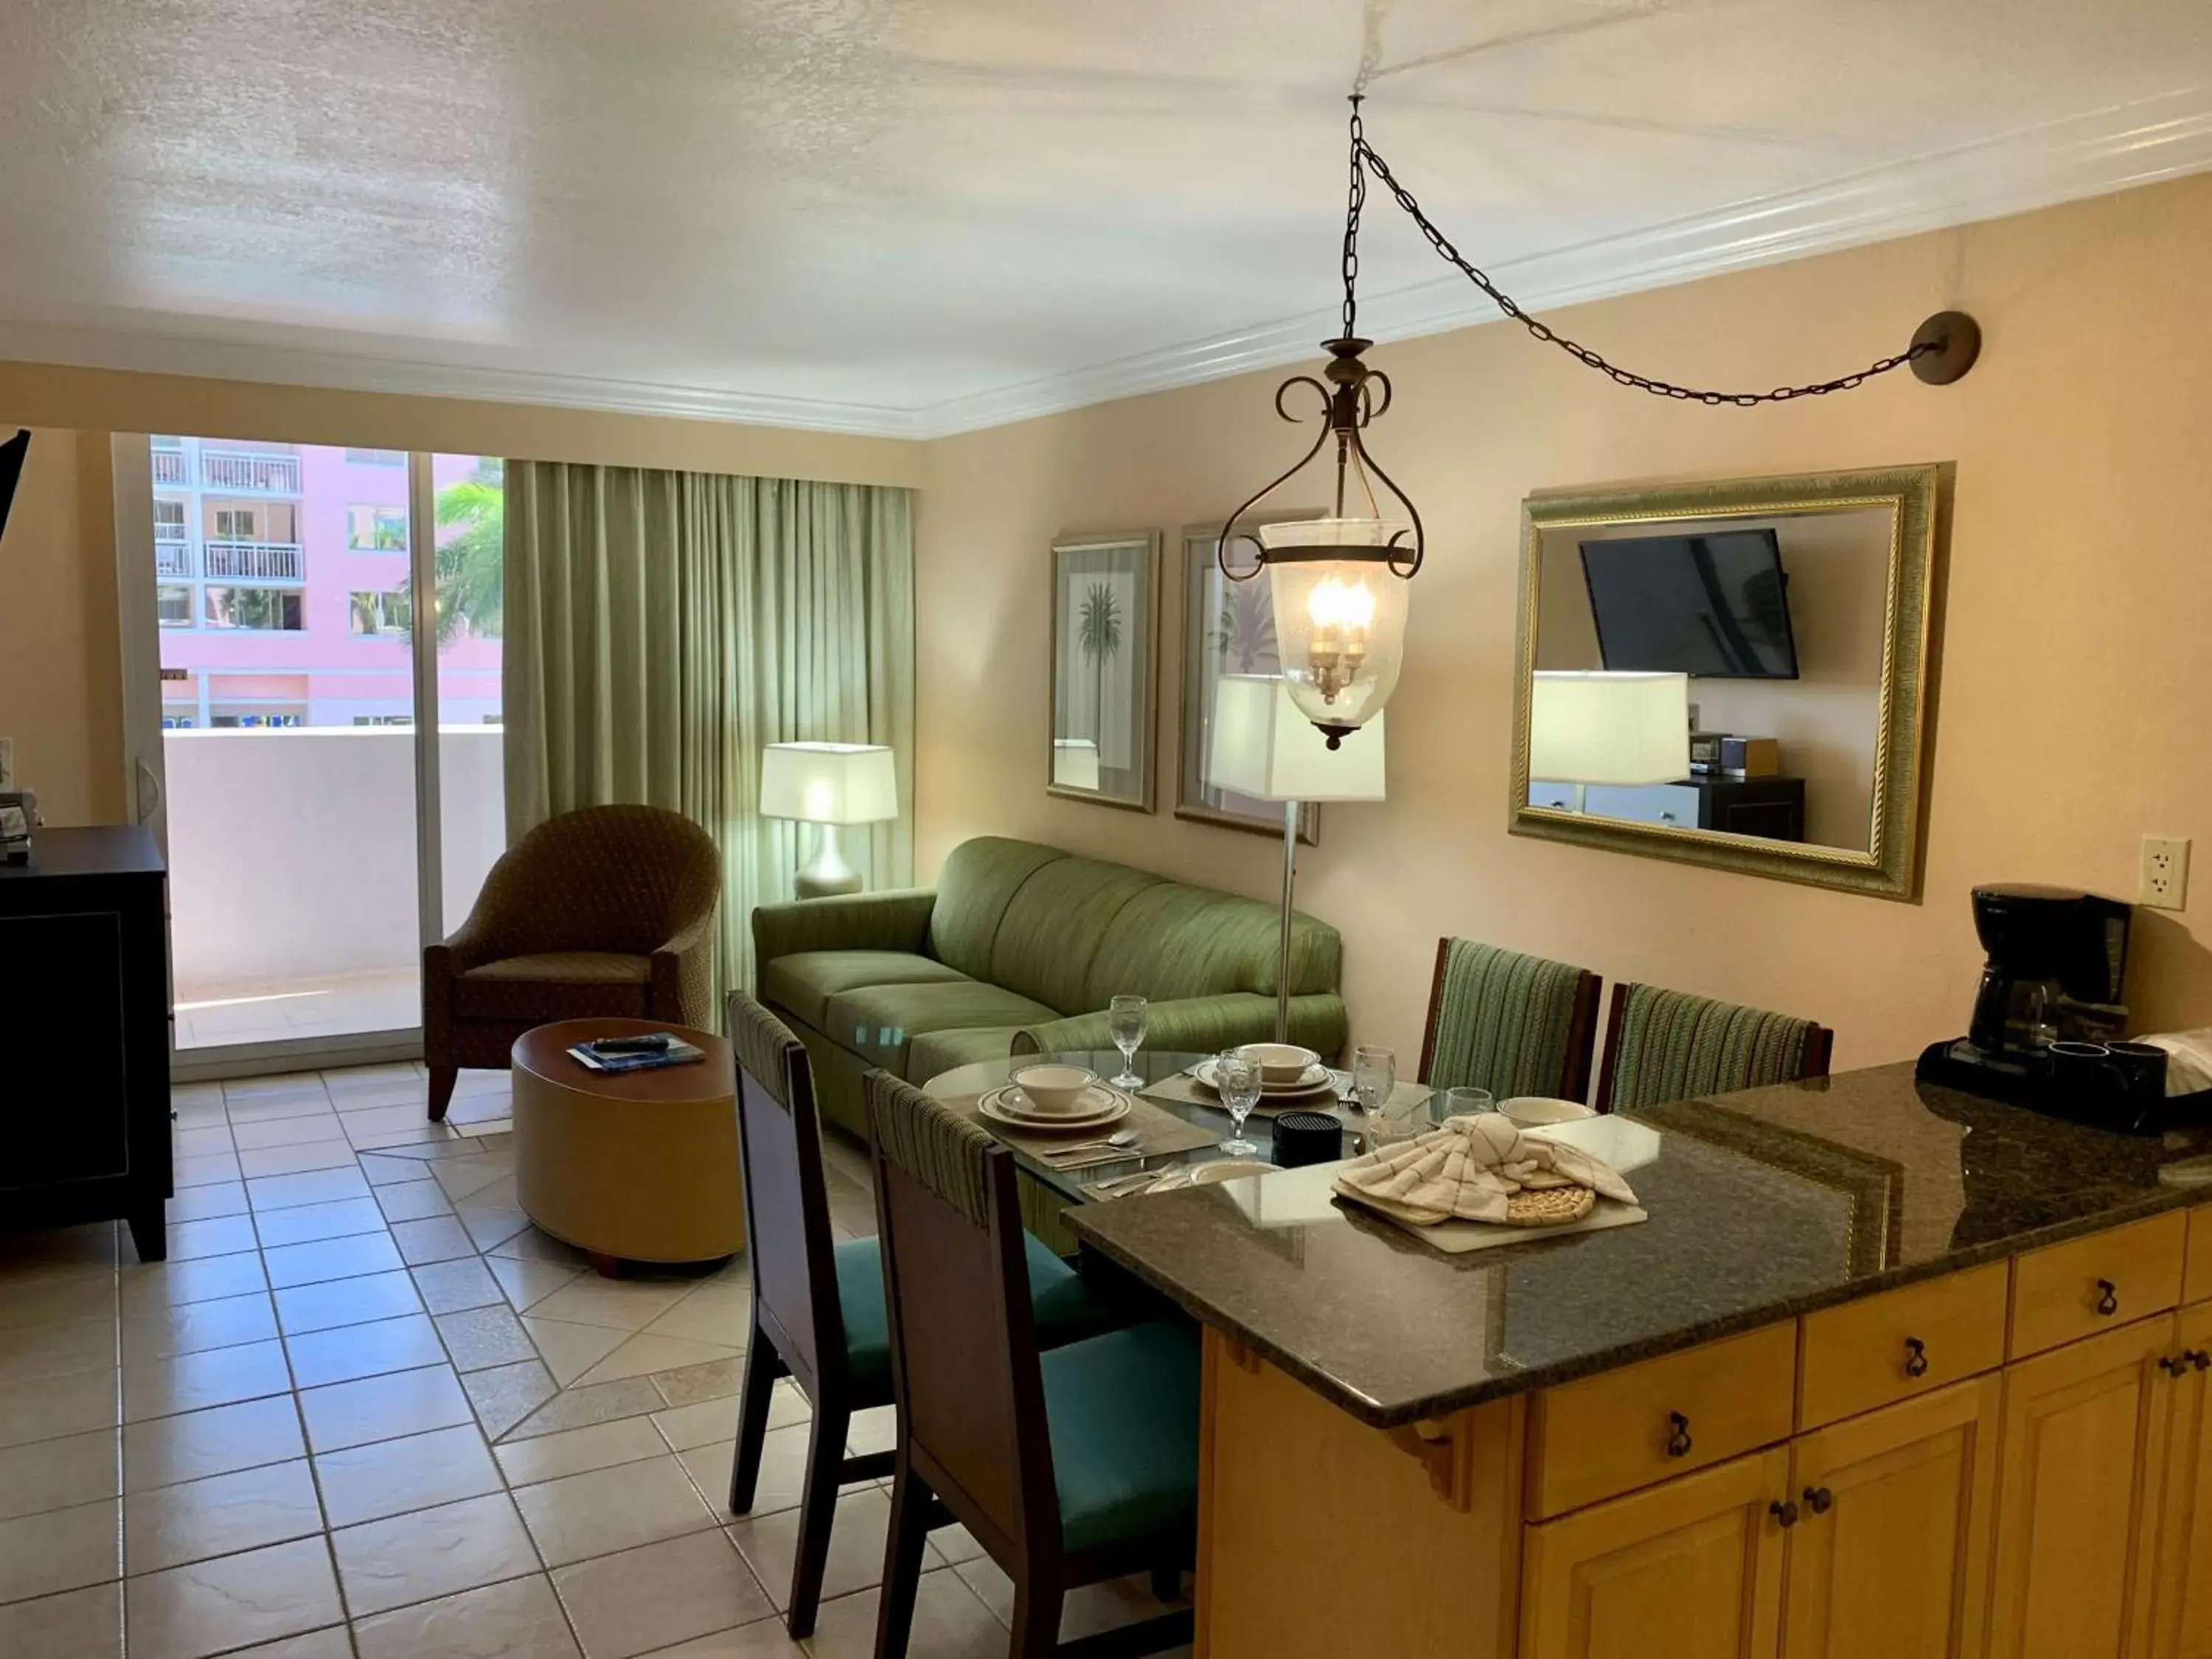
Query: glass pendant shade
[1340, 622]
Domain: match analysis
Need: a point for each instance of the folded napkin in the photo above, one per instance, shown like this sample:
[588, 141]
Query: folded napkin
[1481, 1169]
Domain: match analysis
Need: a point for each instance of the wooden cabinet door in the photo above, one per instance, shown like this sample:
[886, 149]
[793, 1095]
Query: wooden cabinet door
[1690, 1570]
[1889, 1555]
[2080, 1489]
[2184, 1596]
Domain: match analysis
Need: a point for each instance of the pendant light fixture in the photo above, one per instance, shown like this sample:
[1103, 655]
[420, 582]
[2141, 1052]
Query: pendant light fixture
[1341, 582]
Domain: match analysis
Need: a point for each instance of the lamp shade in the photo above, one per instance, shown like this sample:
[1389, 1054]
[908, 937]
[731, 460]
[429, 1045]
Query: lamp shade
[1594, 728]
[1262, 745]
[828, 782]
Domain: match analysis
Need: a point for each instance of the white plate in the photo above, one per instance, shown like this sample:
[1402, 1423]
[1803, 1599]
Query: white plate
[1318, 1080]
[1229, 1169]
[1010, 1106]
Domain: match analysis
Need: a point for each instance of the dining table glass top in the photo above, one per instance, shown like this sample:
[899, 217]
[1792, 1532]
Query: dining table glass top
[1156, 1067]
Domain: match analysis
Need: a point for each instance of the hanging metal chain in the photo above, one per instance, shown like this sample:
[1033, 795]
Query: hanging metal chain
[1364, 158]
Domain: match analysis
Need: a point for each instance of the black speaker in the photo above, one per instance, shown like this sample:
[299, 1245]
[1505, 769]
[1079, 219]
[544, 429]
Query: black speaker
[1303, 1137]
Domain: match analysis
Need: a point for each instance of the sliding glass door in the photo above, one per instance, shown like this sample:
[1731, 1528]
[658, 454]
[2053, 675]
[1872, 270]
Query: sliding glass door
[312, 671]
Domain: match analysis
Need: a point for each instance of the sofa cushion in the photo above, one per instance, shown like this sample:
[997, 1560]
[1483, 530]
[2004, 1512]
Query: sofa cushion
[979, 880]
[1053, 927]
[1122, 1411]
[1172, 941]
[557, 985]
[935, 1052]
[805, 981]
[875, 1021]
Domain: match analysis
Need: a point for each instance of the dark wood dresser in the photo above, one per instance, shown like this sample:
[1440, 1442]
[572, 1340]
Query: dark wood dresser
[84, 1035]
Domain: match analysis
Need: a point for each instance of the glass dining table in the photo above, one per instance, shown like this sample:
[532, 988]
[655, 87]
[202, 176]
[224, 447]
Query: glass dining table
[1083, 1185]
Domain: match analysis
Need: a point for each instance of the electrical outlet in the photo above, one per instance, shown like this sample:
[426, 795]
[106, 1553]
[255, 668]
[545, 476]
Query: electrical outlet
[2165, 872]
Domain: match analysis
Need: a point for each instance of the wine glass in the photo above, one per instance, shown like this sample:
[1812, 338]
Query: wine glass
[1124, 1017]
[1237, 1078]
[1374, 1077]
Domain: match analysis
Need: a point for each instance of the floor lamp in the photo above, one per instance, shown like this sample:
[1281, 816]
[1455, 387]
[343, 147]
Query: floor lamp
[1261, 746]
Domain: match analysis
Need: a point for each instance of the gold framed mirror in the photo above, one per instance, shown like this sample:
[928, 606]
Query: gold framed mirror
[1736, 674]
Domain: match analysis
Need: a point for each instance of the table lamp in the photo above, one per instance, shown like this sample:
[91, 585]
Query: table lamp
[1261, 746]
[831, 784]
[1600, 727]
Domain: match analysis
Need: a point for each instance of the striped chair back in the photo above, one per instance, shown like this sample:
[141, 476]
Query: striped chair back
[1664, 1045]
[1511, 1024]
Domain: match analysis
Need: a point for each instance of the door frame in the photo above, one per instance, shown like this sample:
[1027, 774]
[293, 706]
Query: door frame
[145, 790]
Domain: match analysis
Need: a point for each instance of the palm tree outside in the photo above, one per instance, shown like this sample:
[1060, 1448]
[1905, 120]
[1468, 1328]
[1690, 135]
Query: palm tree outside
[1099, 632]
[471, 565]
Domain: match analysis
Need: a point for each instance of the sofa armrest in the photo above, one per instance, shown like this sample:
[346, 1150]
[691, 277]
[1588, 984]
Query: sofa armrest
[896, 921]
[1199, 1026]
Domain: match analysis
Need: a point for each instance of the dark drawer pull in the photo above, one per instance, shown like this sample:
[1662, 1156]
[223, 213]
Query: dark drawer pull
[1916, 1357]
[1820, 1499]
[2174, 1365]
[1678, 1435]
[2108, 1298]
[1784, 1511]
[2199, 1358]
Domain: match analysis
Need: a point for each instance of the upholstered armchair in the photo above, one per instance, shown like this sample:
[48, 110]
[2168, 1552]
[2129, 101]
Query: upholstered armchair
[605, 911]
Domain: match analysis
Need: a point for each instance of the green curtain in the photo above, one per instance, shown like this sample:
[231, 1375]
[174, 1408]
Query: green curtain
[663, 628]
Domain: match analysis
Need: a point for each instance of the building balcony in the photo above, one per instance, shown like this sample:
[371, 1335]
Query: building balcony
[244, 470]
[171, 467]
[172, 558]
[262, 562]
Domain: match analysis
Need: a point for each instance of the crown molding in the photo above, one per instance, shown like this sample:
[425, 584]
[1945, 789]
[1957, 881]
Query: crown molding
[154, 353]
[2166, 137]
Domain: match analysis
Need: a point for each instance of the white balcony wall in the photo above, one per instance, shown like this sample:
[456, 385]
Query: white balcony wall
[292, 852]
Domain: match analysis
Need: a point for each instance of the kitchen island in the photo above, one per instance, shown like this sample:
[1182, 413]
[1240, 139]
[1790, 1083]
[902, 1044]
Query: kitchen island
[1890, 1371]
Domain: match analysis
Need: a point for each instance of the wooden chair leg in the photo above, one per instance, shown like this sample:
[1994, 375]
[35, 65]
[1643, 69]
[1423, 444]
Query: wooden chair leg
[443, 1080]
[764, 1365]
[818, 1508]
[1036, 1620]
[911, 1505]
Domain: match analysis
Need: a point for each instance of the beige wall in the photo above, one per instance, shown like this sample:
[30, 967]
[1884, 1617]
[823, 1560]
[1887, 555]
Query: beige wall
[2075, 676]
[60, 692]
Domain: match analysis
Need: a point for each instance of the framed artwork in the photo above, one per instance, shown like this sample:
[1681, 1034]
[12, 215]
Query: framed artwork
[1105, 668]
[1228, 628]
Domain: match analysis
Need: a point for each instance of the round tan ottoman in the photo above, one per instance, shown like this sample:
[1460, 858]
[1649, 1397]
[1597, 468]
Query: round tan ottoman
[639, 1167]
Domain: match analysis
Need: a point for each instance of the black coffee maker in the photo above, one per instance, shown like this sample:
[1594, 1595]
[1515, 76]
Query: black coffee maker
[2056, 959]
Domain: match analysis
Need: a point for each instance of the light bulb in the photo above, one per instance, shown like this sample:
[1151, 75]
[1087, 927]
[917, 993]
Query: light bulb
[1332, 604]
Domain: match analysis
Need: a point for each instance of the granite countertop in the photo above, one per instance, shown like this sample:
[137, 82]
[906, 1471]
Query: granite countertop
[1763, 1205]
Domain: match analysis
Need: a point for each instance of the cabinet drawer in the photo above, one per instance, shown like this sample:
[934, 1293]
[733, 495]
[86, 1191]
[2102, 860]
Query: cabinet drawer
[2064, 1292]
[1614, 1432]
[2196, 1280]
[1653, 803]
[1901, 1343]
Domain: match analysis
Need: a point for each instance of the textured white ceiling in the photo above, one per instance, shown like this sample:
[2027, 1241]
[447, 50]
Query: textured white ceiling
[912, 216]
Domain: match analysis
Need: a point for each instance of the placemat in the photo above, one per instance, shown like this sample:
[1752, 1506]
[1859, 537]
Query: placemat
[1159, 1132]
[1187, 1089]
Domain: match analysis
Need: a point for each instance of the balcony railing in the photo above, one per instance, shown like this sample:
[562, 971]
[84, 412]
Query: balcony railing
[169, 467]
[172, 558]
[268, 475]
[268, 561]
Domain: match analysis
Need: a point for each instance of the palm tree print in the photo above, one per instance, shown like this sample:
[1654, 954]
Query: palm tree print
[1246, 629]
[1099, 632]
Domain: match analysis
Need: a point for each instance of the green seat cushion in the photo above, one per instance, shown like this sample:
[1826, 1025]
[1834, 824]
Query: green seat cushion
[1123, 1410]
[805, 981]
[875, 1021]
[934, 1052]
[1064, 1308]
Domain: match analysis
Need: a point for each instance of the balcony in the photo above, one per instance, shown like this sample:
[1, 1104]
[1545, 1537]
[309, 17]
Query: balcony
[170, 467]
[172, 557]
[231, 469]
[262, 562]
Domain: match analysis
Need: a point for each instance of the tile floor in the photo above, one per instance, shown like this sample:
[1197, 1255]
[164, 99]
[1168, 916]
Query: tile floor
[262, 1011]
[365, 1411]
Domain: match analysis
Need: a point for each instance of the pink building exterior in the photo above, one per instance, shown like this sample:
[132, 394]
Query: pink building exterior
[285, 536]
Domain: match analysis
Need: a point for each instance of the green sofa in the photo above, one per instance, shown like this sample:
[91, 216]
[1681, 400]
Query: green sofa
[1022, 944]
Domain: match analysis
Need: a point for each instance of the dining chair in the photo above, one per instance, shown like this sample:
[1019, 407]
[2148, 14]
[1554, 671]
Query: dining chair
[1663, 1045]
[817, 1303]
[1512, 1024]
[1069, 1467]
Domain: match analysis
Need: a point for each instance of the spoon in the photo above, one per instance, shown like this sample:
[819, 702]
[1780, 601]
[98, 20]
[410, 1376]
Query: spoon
[1121, 1138]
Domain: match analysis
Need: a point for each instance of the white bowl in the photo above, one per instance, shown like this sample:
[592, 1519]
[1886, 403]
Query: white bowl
[1055, 1088]
[1534, 1111]
[1279, 1062]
